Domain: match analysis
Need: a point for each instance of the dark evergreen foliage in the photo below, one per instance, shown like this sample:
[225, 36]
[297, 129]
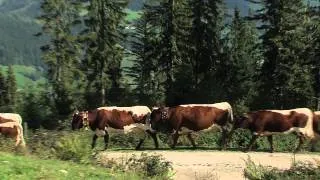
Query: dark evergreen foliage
[104, 50]
[181, 52]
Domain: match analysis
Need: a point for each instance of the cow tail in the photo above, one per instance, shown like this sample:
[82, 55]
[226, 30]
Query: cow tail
[230, 114]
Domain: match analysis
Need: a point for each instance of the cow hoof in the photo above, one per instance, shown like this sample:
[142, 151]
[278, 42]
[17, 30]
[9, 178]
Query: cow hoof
[245, 150]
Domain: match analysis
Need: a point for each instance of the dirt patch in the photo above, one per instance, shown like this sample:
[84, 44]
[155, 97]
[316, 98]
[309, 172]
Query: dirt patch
[218, 165]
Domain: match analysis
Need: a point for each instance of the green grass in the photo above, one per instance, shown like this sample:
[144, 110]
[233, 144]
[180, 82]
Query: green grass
[22, 167]
[132, 15]
[25, 75]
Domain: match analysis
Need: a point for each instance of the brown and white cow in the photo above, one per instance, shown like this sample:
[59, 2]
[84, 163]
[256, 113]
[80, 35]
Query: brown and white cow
[12, 128]
[268, 122]
[105, 119]
[12, 117]
[189, 118]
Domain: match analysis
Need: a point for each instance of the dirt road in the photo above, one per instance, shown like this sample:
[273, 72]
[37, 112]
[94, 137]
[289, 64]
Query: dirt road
[198, 165]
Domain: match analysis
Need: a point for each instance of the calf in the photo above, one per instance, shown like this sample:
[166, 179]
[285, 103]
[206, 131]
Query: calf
[105, 119]
[268, 122]
[186, 119]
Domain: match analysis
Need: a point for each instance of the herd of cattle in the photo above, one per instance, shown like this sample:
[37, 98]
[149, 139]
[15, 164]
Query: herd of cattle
[190, 118]
[184, 120]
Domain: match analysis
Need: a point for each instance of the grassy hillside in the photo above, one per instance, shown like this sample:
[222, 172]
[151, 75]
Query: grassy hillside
[132, 15]
[17, 43]
[25, 75]
[21, 167]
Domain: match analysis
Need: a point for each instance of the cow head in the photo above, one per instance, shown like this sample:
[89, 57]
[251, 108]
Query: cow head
[159, 119]
[79, 120]
[242, 121]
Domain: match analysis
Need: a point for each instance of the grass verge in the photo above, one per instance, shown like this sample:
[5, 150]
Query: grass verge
[28, 167]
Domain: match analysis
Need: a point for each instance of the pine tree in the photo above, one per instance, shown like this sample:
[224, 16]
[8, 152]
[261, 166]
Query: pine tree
[168, 55]
[312, 50]
[11, 89]
[62, 54]
[144, 41]
[286, 80]
[104, 52]
[244, 55]
[206, 48]
[3, 90]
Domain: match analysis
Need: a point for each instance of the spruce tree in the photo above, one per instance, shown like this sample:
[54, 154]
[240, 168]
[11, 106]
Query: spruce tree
[11, 85]
[104, 52]
[144, 41]
[3, 90]
[244, 55]
[286, 80]
[206, 54]
[312, 50]
[61, 54]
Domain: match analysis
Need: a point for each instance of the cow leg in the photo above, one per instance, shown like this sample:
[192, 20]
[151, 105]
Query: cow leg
[175, 137]
[300, 143]
[191, 140]
[253, 140]
[223, 140]
[229, 135]
[94, 139]
[313, 144]
[155, 139]
[140, 143]
[271, 143]
[106, 140]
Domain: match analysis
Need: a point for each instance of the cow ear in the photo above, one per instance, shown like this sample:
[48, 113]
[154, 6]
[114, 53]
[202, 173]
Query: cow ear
[245, 115]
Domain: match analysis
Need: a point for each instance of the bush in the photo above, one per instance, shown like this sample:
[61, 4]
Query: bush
[73, 146]
[147, 166]
[299, 170]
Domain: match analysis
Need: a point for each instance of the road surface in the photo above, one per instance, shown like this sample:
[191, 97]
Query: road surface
[224, 165]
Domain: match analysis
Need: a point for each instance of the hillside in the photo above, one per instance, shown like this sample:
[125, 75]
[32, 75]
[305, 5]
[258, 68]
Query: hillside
[26, 75]
[17, 43]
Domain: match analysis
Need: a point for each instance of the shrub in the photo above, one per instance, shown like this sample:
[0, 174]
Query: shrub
[299, 170]
[149, 165]
[73, 146]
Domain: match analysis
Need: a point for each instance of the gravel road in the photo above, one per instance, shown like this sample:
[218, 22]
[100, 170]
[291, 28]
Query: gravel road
[189, 165]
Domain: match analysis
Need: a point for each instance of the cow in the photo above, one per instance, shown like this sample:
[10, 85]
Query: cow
[12, 128]
[105, 119]
[189, 118]
[269, 122]
[316, 127]
[12, 116]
